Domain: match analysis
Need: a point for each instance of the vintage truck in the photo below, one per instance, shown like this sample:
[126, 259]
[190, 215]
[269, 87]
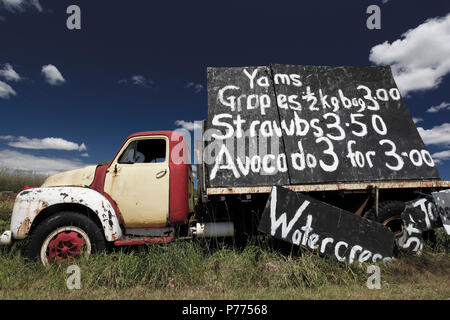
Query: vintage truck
[146, 193]
[140, 196]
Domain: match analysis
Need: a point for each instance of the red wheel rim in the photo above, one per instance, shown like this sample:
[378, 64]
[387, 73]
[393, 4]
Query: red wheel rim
[65, 245]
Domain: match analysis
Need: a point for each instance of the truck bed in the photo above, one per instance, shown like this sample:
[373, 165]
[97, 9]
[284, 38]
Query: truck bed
[352, 186]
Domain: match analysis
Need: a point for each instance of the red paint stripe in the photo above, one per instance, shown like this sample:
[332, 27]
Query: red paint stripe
[98, 185]
[179, 180]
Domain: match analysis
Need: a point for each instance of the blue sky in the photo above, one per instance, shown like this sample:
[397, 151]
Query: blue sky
[69, 98]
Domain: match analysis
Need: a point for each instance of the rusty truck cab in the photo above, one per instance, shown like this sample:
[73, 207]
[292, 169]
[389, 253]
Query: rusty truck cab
[149, 180]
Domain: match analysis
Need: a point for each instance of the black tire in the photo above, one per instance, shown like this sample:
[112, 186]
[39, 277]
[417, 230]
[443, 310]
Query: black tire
[64, 223]
[389, 214]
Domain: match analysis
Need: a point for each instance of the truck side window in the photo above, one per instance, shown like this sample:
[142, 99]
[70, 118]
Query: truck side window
[151, 151]
[128, 155]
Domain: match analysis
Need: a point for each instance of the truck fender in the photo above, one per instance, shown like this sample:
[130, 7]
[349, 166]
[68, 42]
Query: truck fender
[29, 203]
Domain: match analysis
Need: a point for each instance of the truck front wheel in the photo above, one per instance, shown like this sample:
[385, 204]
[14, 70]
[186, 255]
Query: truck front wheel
[63, 237]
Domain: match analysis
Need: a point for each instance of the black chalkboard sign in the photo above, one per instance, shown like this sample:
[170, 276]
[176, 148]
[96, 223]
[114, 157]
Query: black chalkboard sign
[442, 201]
[307, 222]
[420, 215]
[310, 124]
[241, 107]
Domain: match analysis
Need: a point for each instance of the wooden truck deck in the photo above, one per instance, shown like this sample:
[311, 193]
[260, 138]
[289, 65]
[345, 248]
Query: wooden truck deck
[353, 186]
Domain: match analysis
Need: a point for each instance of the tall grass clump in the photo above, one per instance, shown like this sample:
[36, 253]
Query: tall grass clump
[14, 180]
[6, 207]
[442, 241]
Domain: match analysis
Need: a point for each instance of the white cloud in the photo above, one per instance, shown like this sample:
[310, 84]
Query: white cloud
[438, 135]
[195, 86]
[443, 105]
[9, 74]
[417, 119]
[82, 147]
[421, 58]
[45, 165]
[6, 91]
[138, 80]
[86, 155]
[438, 157]
[17, 6]
[189, 125]
[42, 144]
[52, 75]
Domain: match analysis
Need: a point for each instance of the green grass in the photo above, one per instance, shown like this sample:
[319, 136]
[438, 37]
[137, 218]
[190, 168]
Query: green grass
[185, 269]
[6, 208]
[195, 270]
[15, 180]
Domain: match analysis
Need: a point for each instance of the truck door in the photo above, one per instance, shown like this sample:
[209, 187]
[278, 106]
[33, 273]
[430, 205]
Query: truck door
[138, 180]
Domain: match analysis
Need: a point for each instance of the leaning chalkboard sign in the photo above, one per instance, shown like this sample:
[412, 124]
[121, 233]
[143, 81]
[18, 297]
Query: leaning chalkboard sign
[288, 124]
[315, 225]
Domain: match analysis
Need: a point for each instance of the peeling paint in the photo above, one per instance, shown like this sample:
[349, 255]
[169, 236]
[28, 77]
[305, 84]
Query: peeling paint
[24, 227]
[31, 202]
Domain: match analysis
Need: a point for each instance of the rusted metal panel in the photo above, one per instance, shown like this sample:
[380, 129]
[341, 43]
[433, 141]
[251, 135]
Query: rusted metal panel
[129, 241]
[333, 187]
[150, 232]
[31, 202]
[363, 206]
